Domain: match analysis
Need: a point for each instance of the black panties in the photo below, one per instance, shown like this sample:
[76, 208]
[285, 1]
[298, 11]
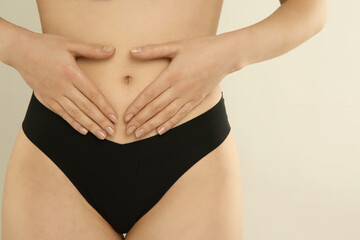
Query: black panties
[124, 181]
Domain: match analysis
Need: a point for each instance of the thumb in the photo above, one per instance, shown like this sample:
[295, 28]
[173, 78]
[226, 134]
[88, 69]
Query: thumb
[150, 51]
[91, 50]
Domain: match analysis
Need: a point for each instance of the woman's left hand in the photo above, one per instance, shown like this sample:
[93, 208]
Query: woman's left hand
[197, 66]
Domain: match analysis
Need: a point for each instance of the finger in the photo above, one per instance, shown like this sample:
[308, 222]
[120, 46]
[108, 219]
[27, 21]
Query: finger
[148, 94]
[150, 110]
[163, 116]
[56, 107]
[84, 120]
[86, 87]
[183, 111]
[151, 51]
[87, 107]
[90, 50]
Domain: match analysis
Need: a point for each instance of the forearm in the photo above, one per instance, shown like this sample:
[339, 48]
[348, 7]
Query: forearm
[294, 22]
[10, 35]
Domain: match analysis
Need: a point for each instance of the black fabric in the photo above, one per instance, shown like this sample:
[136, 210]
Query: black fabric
[124, 181]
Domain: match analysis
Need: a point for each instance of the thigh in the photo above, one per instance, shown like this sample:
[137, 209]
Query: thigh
[204, 204]
[40, 202]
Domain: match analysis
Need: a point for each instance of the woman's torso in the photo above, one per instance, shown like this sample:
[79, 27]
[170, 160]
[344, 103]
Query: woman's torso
[124, 24]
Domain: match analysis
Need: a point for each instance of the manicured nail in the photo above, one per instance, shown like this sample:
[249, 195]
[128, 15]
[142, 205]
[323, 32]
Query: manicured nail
[83, 130]
[110, 130]
[108, 49]
[128, 117]
[112, 117]
[135, 49]
[162, 130]
[100, 134]
[131, 129]
[140, 132]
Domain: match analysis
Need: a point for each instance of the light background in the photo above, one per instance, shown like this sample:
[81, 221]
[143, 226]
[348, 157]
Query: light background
[295, 119]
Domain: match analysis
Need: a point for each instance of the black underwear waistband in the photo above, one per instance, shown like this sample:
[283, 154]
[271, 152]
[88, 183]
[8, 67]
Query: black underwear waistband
[39, 120]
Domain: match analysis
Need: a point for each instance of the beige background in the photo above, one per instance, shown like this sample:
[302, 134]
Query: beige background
[295, 118]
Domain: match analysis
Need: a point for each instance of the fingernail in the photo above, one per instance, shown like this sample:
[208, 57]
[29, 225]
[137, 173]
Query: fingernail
[128, 117]
[162, 130]
[135, 49]
[131, 129]
[140, 132]
[100, 134]
[110, 130]
[108, 49]
[112, 117]
[83, 130]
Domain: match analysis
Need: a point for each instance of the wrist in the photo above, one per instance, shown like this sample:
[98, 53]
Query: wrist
[234, 45]
[16, 38]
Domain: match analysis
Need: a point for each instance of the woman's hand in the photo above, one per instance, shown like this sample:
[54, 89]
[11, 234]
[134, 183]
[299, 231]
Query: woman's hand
[48, 65]
[197, 66]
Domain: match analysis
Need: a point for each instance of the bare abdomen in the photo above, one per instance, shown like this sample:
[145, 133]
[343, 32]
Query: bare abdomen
[124, 24]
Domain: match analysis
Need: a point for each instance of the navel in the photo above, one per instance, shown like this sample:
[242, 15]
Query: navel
[127, 79]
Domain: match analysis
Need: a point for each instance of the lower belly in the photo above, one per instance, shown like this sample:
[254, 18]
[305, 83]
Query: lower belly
[122, 78]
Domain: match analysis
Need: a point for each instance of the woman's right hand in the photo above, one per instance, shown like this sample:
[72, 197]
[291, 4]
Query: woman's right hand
[47, 62]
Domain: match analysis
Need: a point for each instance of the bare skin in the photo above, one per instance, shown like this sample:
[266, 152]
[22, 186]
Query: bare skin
[40, 199]
[63, 213]
[163, 102]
